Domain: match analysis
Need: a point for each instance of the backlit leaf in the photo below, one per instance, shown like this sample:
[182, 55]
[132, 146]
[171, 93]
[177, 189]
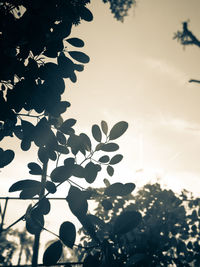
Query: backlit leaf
[61, 138]
[35, 169]
[65, 127]
[126, 222]
[61, 174]
[79, 56]
[44, 206]
[90, 172]
[104, 159]
[104, 127]
[52, 254]
[96, 132]
[116, 159]
[75, 42]
[24, 184]
[50, 187]
[86, 14]
[110, 147]
[86, 141]
[118, 129]
[6, 157]
[110, 170]
[67, 234]
[78, 171]
[43, 154]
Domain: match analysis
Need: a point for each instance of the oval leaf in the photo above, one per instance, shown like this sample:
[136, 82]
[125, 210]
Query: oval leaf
[75, 42]
[110, 147]
[104, 127]
[116, 159]
[118, 130]
[126, 222]
[79, 56]
[67, 234]
[24, 184]
[50, 187]
[104, 159]
[61, 138]
[66, 126]
[114, 189]
[110, 170]
[52, 254]
[96, 132]
[61, 174]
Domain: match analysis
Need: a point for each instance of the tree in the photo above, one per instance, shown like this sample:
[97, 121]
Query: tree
[34, 63]
[168, 233]
[7, 248]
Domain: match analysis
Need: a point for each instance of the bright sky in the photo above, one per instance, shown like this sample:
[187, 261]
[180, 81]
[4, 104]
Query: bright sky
[138, 73]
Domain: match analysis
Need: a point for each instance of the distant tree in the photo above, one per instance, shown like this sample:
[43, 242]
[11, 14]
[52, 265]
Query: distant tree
[7, 248]
[168, 234]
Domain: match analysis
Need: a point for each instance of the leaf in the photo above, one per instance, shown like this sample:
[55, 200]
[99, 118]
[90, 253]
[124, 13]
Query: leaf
[110, 147]
[50, 187]
[118, 130]
[24, 184]
[119, 189]
[43, 154]
[62, 149]
[86, 141]
[79, 56]
[65, 127]
[52, 254]
[86, 14]
[104, 127]
[96, 220]
[116, 159]
[90, 172]
[78, 171]
[35, 169]
[110, 170]
[6, 157]
[77, 202]
[25, 144]
[75, 42]
[106, 182]
[29, 193]
[61, 138]
[44, 206]
[126, 222]
[104, 159]
[67, 234]
[34, 221]
[107, 205]
[96, 132]
[128, 188]
[61, 174]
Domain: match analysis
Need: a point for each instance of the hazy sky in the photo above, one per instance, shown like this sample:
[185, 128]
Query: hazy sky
[138, 73]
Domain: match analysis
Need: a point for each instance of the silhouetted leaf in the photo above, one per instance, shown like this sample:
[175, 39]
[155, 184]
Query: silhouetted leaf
[25, 144]
[110, 170]
[67, 234]
[6, 157]
[118, 130]
[35, 169]
[77, 202]
[24, 184]
[18, 132]
[42, 154]
[90, 172]
[50, 186]
[78, 171]
[116, 159]
[52, 254]
[34, 221]
[79, 56]
[104, 127]
[119, 189]
[62, 149]
[86, 141]
[29, 193]
[106, 204]
[106, 182]
[44, 206]
[61, 174]
[126, 221]
[86, 14]
[90, 261]
[96, 132]
[65, 127]
[61, 138]
[104, 159]
[75, 42]
[110, 147]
